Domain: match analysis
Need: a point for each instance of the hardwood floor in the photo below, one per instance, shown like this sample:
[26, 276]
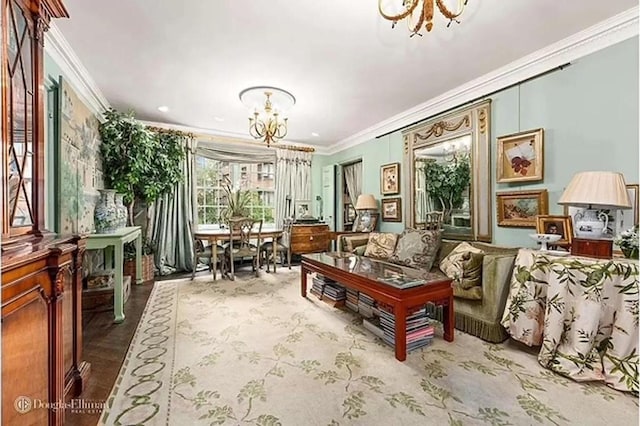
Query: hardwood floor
[105, 346]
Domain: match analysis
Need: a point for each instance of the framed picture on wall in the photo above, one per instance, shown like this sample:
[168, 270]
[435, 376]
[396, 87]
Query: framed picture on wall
[630, 216]
[560, 225]
[521, 156]
[520, 208]
[392, 209]
[302, 209]
[390, 179]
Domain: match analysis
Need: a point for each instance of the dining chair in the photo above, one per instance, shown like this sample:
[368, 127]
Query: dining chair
[245, 237]
[200, 251]
[433, 220]
[282, 246]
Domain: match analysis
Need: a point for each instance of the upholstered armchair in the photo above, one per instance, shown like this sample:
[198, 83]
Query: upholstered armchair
[245, 236]
[282, 246]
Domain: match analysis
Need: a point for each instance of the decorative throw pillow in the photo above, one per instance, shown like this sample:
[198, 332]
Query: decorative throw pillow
[416, 248]
[464, 266]
[381, 245]
[351, 242]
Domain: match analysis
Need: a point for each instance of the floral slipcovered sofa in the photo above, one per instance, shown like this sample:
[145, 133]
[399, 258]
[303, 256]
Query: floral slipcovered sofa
[481, 273]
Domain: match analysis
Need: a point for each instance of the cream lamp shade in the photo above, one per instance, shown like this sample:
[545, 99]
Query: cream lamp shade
[602, 189]
[366, 202]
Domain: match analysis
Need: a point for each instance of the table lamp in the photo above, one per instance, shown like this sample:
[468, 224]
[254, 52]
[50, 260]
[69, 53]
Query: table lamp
[594, 191]
[366, 204]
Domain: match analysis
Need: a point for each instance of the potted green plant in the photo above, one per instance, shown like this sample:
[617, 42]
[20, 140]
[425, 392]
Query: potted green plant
[143, 164]
[237, 201]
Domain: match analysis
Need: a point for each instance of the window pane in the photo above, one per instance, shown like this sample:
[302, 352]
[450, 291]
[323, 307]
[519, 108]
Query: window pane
[257, 178]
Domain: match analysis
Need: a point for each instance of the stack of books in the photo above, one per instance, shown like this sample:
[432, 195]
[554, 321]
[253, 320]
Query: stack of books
[366, 305]
[319, 282]
[335, 292]
[419, 329]
[328, 290]
[352, 299]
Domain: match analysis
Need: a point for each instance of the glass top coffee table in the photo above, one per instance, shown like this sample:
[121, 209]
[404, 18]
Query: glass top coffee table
[400, 287]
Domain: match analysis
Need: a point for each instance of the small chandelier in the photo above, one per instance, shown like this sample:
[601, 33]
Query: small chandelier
[268, 123]
[423, 16]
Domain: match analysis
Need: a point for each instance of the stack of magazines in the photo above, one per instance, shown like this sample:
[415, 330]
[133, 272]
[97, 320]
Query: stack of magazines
[366, 305]
[327, 289]
[419, 330]
[352, 299]
[335, 292]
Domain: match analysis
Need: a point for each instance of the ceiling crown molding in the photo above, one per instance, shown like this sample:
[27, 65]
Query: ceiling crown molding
[597, 37]
[61, 52]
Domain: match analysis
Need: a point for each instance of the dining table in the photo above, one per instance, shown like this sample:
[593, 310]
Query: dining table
[216, 235]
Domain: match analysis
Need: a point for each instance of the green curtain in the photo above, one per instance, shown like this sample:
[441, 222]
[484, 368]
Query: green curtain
[172, 219]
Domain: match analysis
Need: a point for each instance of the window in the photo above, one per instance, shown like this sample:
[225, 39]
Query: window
[259, 178]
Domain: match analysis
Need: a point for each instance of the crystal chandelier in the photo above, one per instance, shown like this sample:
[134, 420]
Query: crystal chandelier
[416, 17]
[267, 104]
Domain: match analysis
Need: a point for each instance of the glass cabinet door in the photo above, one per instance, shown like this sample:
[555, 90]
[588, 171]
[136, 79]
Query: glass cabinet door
[20, 96]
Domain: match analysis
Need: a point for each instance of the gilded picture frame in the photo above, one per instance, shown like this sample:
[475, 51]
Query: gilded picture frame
[521, 157]
[520, 208]
[562, 225]
[390, 179]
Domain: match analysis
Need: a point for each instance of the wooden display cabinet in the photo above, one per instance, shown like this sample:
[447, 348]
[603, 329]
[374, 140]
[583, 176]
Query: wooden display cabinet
[41, 272]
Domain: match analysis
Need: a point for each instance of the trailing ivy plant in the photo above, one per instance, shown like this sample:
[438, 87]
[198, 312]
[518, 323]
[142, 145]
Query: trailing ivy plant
[447, 181]
[139, 162]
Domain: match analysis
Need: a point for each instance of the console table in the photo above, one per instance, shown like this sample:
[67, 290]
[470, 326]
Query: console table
[362, 273]
[583, 312]
[115, 242]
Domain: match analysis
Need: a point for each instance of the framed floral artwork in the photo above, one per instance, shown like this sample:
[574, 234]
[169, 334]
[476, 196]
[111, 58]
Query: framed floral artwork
[521, 157]
[392, 209]
[561, 225]
[520, 208]
[390, 179]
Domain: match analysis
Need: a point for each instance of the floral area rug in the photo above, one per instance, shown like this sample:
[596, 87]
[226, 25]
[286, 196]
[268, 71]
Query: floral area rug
[254, 352]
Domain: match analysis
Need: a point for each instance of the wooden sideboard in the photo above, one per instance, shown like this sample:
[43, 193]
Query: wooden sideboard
[41, 328]
[310, 238]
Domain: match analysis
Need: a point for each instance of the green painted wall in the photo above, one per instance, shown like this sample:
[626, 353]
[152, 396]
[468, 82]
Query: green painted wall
[373, 153]
[589, 112]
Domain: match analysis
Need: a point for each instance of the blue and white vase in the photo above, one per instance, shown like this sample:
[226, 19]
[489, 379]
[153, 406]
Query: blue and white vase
[122, 210]
[106, 212]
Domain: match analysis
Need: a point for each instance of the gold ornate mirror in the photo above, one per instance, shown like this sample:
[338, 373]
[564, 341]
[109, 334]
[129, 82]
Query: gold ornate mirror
[449, 172]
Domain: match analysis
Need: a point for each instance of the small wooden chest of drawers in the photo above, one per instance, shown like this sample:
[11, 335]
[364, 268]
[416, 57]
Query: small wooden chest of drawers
[310, 238]
[601, 249]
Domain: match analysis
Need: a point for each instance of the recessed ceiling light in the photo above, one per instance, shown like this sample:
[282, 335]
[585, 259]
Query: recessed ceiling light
[219, 119]
[163, 108]
[314, 134]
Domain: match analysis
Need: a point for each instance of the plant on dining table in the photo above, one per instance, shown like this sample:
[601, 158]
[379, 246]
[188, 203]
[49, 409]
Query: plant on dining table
[237, 201]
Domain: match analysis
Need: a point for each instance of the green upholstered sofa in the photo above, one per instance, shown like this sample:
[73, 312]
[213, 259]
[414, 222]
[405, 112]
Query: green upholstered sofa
[480, 318]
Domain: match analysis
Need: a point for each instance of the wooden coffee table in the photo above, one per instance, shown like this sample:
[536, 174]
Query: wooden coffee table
[364, 274]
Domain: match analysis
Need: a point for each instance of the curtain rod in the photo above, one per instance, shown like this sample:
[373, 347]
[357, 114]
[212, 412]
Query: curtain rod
[227, 139]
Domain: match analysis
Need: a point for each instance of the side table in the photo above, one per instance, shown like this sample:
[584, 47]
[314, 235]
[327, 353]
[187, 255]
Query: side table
[114, 257]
